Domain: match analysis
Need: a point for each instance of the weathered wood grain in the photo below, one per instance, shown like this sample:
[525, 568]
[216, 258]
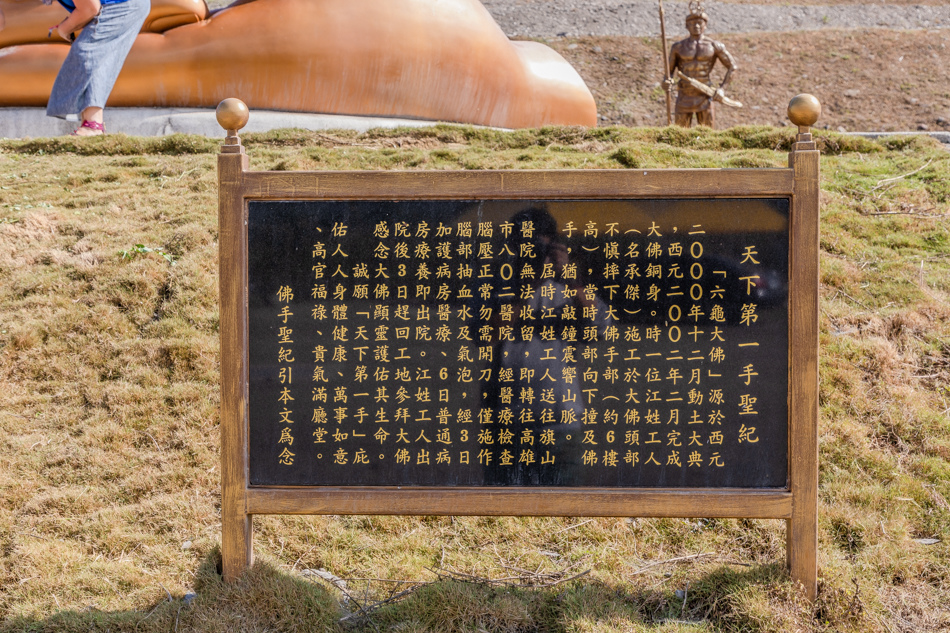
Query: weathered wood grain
[236, 528]
[802, 531]
[725, 503]
[672, 183]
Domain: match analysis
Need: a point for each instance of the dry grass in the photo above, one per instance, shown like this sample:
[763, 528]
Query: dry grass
[109, 508]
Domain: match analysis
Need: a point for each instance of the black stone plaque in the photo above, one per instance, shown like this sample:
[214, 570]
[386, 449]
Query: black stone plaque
[607, 343]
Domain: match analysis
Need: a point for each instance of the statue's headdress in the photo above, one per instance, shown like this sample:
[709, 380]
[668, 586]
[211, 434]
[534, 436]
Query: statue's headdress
[697, 11]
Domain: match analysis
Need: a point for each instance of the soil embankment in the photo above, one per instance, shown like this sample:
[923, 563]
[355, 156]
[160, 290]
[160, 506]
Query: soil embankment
[874, 67]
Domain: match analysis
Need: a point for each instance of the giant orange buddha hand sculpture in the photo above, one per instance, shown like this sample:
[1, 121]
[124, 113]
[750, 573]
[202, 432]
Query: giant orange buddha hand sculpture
[28, 21]
[442, 60]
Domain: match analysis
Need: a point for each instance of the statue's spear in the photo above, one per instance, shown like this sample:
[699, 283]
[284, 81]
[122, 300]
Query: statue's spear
[666, 69]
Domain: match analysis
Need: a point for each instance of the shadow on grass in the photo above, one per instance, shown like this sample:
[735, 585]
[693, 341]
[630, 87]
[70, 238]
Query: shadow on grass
[270, 599]
[583, 605]
[264, 599]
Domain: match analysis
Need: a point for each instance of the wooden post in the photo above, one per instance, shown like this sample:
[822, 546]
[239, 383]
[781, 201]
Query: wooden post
[802, 527]
[236, 527]
[666, 67]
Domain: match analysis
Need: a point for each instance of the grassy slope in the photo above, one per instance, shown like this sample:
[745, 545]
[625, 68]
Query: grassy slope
[109, 510]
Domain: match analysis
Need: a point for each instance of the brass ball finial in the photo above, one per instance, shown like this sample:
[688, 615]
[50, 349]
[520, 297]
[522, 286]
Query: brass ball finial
[232, 114]
[804, 110]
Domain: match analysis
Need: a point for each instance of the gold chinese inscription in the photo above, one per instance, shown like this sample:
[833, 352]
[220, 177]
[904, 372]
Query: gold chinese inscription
[561, 343]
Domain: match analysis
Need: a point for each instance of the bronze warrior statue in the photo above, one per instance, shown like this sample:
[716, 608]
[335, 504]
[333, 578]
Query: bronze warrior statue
[691, 62]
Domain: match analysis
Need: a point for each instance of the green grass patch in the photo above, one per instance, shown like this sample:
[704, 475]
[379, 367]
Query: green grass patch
[109, 467]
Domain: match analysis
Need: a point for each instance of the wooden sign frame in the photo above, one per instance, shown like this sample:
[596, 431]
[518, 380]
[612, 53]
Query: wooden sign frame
[797, 503]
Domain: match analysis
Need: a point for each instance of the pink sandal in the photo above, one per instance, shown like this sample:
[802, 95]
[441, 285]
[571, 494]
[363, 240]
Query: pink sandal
[92, 125]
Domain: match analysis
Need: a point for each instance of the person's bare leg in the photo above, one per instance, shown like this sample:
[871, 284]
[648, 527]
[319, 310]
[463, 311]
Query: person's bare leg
[94, 115]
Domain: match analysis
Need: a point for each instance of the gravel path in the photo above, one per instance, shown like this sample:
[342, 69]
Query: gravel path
[577, 18]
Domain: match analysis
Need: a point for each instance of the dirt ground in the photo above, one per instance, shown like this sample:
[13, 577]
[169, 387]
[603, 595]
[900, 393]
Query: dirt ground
[836, 2]
[866, 80]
